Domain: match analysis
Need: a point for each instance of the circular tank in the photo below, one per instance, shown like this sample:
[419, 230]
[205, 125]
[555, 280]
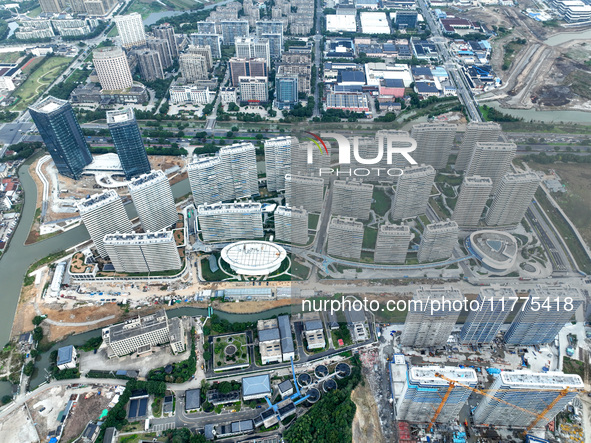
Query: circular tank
[313, 395]
[343, 370]
[320, 371]
[328, 385]
[304, 380]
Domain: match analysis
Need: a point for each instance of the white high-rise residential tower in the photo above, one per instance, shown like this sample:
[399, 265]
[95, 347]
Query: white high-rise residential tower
[131, 29]
[229, 175]
[278, 161]
[492, 160]
[112, 68]
[103, 214]
[514, 195]
[438, 241]
[152, 197]
[412, 192]
[430, 321]
[483, 324]
[392, 243]
[143, 252]
[487, 132]
[474, 194]
[434, 143]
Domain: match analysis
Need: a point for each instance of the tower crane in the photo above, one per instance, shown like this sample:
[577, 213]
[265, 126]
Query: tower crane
[538, 416]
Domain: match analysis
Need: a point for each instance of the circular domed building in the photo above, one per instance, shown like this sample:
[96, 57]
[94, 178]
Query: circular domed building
[495, 250]
[254, 258]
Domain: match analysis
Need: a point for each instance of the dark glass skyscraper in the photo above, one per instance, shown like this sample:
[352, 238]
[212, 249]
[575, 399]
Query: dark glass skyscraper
[61, 133]
[127, 139]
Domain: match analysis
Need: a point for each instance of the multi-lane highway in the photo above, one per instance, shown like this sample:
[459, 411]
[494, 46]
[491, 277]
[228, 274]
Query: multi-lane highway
[464, 92]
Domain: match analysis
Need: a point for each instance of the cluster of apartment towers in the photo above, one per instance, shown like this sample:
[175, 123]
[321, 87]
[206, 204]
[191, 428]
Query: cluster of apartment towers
[422, 391]
[231, 174]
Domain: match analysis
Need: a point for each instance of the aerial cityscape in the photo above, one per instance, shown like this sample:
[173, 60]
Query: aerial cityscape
[295, 221]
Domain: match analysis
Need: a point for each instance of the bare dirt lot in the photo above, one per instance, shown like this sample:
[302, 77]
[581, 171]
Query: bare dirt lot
[366, 423]
[86, 409]
[533, 73]
[18, 427]
[46, 407]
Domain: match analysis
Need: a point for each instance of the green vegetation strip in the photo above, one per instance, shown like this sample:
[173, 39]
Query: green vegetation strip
[565, 232]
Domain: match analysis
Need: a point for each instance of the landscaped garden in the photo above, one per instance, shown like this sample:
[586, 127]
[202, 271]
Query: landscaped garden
[230, 351]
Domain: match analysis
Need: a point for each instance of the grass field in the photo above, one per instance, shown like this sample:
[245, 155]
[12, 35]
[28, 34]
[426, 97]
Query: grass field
[565, 232]
[146, 8]
[382, 202]
[576, 201]
[9, 57]
[35, 12]
[370, 235]
[39, 80]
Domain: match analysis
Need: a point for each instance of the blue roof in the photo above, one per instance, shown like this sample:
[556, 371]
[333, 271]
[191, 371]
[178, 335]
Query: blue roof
[285, 331]
[256, 385]
[423, 87]
[419, 70]
[269, 334]
[313, 325]
[393, 83]
[64, 355]
[352, 76]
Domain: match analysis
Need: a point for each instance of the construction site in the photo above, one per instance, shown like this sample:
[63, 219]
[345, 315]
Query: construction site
[480, 393]
[57, 195]
[541, 65]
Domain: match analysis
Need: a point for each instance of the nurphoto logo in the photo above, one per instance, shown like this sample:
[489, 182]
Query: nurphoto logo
[387, 143]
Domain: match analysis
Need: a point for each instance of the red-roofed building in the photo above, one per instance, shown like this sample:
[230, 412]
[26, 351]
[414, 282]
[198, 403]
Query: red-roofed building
[456, 25]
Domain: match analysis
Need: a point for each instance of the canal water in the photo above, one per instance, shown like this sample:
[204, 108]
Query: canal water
[17, 259]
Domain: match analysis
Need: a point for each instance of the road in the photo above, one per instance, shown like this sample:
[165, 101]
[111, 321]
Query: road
[464, 92]
[318, 58]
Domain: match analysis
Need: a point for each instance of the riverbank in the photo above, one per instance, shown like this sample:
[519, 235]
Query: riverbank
[64, 322]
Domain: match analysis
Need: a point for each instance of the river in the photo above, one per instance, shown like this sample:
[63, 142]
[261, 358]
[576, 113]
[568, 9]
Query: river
[577, 117]
[17, 259]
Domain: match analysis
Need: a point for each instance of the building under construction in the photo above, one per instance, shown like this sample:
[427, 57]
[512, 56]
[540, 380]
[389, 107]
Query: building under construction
[425, 394]
[524, 396]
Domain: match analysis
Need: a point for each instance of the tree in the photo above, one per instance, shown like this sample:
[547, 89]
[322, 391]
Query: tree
[29, 368]
[37, 334]
[38, 319]
[6, 399]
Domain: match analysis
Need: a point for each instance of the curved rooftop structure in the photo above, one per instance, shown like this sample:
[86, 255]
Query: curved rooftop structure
[496, 250]
[253, 257]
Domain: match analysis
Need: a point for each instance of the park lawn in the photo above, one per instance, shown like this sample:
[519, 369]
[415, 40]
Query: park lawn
[145, 8]
[9, 57]
[35, 12]
[370, 236]
[182, 5]
[313, 221]
[381, 202]
[39, 80]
